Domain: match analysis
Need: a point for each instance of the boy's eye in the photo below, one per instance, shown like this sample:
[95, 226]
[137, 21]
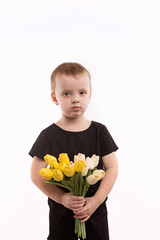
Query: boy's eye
[66, 94]
[82, 93]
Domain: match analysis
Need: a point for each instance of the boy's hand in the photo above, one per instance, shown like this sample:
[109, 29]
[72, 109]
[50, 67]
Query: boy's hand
[89, 208]
[74, 203]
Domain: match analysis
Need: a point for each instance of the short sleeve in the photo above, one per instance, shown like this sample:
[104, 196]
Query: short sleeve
[107, 144]
[41, 147]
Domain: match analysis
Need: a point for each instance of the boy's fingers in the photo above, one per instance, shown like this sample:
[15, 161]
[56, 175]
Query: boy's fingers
[78, 201]
[81, 211]
[77, 198]
[77, 207]
[85, 219]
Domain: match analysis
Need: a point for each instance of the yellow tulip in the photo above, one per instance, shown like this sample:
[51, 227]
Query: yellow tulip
[63, 158]
[79, 165]
[56, 165]
[46, 173]
[57, 175]
[68, 171]
[61, 166]
[51, 160]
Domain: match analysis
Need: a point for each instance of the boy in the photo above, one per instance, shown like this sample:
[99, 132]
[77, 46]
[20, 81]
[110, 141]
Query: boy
[73, 134]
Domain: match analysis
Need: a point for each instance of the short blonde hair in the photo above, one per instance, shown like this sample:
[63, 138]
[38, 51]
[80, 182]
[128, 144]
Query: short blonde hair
[68, 68]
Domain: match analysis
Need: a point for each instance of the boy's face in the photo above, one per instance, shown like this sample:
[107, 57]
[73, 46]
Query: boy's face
[72, 94]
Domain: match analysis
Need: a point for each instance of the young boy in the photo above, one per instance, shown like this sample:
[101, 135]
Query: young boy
[73, 134]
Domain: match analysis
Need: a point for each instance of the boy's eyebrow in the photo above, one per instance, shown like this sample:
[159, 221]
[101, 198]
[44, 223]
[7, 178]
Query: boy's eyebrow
[81, 89]
[65, 89]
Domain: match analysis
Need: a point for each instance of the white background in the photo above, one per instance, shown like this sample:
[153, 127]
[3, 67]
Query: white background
[119, 43]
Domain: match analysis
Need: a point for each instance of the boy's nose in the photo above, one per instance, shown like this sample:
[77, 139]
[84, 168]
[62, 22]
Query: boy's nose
[75, 99]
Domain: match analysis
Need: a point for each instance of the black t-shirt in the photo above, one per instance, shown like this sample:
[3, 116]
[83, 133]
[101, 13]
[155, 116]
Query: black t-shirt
[53, 140]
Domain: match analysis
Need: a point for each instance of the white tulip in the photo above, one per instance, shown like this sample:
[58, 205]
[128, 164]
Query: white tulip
[99, 173]
[92, 179]
[95, 177]
[84, 171]
[90, 163]
[71, 164]
[95, 160]
[78, 157]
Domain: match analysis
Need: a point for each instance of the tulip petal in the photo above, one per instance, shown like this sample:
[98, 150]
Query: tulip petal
[78, 157]
[46, 173]
[79, 165]
[57, 175]
[95, 159]
[100, 173]
[90, 163]
[85, 170]
[92, 179]
[63, 158]
[50, 160]
[68, 171]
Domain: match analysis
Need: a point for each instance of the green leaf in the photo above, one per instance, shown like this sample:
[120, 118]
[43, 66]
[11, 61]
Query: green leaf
[74, 179]
[81, 185]
[59, 184]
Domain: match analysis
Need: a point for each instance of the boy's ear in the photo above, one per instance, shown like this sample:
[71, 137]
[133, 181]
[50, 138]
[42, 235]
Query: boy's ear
[90, 95]
[54, 99]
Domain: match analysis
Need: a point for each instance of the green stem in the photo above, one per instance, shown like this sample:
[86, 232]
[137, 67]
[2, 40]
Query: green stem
[79, 229]
[60, 185]
[76, 226]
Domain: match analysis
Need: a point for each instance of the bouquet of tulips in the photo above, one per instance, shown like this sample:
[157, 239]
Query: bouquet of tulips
[76, 176]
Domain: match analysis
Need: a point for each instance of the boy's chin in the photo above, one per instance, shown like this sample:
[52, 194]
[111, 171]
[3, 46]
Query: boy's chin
[75, 116]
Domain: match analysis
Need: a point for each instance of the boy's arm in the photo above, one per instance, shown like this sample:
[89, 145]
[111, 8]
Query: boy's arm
[52, 191]
[92, 203]
[111, 166]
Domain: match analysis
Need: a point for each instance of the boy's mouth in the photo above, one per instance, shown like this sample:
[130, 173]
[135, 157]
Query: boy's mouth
[76, 108]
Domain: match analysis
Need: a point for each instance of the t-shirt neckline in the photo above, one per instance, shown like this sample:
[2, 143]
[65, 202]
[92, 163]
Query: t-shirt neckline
[63, 130]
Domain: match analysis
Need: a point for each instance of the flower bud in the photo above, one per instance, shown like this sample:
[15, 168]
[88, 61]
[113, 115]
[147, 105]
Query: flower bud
[90, 163]
[68, 171]
[95, 159]
[78, 157]
[99, 173]
[63, 158]
[71, 164]
[95, 177]
[61, 166]
[79, 165]
[46, 173]
[85, 170]
[92, 179]
[57, 175]
[51, 160]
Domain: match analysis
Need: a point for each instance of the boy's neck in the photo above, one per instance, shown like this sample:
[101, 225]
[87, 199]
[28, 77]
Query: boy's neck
[73, 124]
